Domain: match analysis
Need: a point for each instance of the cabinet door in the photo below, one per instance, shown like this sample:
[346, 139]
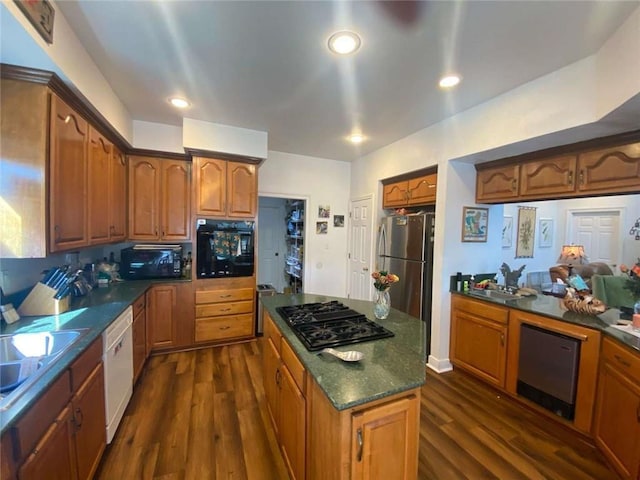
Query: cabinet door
[497, 184]
[68, 178]
[100, 190]
[385, 441]
[139, 342]
[422, 190]
[144, 198]
[479, 345]
[545, 178]
[395, 195]
[89, 416]
[292, 424]
[54, 456]
[242, 189]
[161, 328]
[118, 202]
[271, 374]
[210, 186]
[610, 170]
[176, 200]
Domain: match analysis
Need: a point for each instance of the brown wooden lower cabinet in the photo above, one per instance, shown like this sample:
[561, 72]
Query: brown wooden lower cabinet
[617, 420]
[54, 456]
[139, 334]
[374, 440]
[479, 338]
[224, 309]
[63, 435]
[169, 316]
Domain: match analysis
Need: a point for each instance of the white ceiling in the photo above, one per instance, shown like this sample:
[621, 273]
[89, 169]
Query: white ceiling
[264, 65]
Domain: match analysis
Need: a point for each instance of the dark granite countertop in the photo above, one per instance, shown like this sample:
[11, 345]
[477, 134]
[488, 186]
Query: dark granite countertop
[552, 307]
[93, 313]
[389, 366]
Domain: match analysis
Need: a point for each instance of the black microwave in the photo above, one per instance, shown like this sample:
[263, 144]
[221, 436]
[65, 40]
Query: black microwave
[225, 248]
[150, 261]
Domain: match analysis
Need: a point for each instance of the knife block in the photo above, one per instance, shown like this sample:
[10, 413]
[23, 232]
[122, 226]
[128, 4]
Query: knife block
[40, 301]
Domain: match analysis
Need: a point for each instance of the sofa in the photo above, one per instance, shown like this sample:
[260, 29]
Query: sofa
[611, 290]
[586, 271]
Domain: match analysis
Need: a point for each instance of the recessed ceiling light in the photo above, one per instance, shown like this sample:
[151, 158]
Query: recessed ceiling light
[344, 43]
[449, 81]
[356, 138]
[179, 102]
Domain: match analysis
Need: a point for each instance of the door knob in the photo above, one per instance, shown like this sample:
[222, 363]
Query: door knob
[277, 254]
[365, 269]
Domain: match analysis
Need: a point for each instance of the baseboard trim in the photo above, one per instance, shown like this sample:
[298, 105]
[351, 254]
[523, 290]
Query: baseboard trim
[439, 366]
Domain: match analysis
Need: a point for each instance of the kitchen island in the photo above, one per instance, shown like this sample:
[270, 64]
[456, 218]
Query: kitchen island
[332, 418]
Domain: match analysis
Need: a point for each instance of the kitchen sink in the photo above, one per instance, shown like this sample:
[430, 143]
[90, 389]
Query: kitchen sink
[495, 294]
[25, 356]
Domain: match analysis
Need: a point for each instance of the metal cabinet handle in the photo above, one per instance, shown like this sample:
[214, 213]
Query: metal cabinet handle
[226, 327]
[622, 361]
[78, 418]
[581, 177]
[570, 182]
[638, 413]
[225, 296]
[278, 376]
[502, 339]
[514, 185]
[360, 442]
[225, 309]
[67, 119]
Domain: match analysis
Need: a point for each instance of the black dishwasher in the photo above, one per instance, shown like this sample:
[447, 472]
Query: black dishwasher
[548, 369]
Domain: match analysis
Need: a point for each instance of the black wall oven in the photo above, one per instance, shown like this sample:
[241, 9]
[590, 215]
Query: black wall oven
[225, 248]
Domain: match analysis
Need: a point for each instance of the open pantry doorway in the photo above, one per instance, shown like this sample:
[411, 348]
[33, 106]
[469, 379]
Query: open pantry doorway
[281, 235]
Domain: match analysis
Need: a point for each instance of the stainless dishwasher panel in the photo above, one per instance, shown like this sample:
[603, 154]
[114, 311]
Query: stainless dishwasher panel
[548, 369]
[262, 290]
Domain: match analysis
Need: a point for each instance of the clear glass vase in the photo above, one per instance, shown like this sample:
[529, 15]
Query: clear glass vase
[381, 304]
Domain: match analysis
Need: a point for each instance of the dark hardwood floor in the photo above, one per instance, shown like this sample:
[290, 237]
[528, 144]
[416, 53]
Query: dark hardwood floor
[201, 415]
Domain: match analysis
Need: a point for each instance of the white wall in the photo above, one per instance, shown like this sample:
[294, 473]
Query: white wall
[562, 107]
[320, 182]
[157, 136]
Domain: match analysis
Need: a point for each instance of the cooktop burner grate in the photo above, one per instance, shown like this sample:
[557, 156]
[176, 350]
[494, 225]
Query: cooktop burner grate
[330, 324]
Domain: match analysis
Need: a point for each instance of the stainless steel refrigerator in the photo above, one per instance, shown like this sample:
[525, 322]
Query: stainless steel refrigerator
[405, 247]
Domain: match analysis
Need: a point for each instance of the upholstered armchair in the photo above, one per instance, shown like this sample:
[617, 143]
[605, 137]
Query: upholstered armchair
[611, 290]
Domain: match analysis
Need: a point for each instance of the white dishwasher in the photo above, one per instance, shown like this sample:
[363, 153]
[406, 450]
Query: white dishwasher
[117, 342]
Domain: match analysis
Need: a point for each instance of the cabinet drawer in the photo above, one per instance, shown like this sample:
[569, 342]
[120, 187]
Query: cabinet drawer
[32, 426]
[85, 363]
[223, 328]
[293, 364]
[481, 309]
[215, 309]
[231, 295]
[625, 361]
[139, 305]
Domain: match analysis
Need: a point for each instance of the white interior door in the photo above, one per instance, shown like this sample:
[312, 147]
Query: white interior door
[360, 241]
[271, 247]
[599, 233]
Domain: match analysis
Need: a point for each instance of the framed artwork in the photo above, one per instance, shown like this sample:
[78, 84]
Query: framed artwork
[322, 227]
[526, 232]
[507, 231]
[40, 14]
[475, 222]
[324, 211]
[338, 220]
[545, 238]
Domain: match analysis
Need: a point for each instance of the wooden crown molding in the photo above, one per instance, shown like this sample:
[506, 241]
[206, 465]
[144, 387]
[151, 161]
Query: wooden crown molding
[409, 175]
[194, 152]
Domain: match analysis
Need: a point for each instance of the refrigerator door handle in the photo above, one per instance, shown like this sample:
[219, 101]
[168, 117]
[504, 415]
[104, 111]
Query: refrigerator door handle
[382, 243]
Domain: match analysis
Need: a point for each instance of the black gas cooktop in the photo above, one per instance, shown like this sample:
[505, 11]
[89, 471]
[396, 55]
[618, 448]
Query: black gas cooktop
[330, 324]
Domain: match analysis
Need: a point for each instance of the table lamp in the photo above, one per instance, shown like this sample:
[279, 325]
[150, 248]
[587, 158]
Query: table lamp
[572, 255]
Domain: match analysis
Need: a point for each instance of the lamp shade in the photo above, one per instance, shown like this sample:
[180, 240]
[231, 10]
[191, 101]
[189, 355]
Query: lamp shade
[573, 255]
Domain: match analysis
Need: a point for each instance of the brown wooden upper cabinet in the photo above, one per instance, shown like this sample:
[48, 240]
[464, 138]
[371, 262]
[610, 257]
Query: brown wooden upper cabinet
[118, 192]
[69, 141]
[224, 188]
[415, 191]
[605, 171]
[159, 199]
[100, 152]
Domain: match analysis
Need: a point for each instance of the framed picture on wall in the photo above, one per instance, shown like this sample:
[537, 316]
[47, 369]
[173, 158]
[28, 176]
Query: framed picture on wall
[545, 235]
[507, 231]
[526, 232]
[475, 223]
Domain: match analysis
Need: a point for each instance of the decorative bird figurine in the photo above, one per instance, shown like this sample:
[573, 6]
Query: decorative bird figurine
[511, 277]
